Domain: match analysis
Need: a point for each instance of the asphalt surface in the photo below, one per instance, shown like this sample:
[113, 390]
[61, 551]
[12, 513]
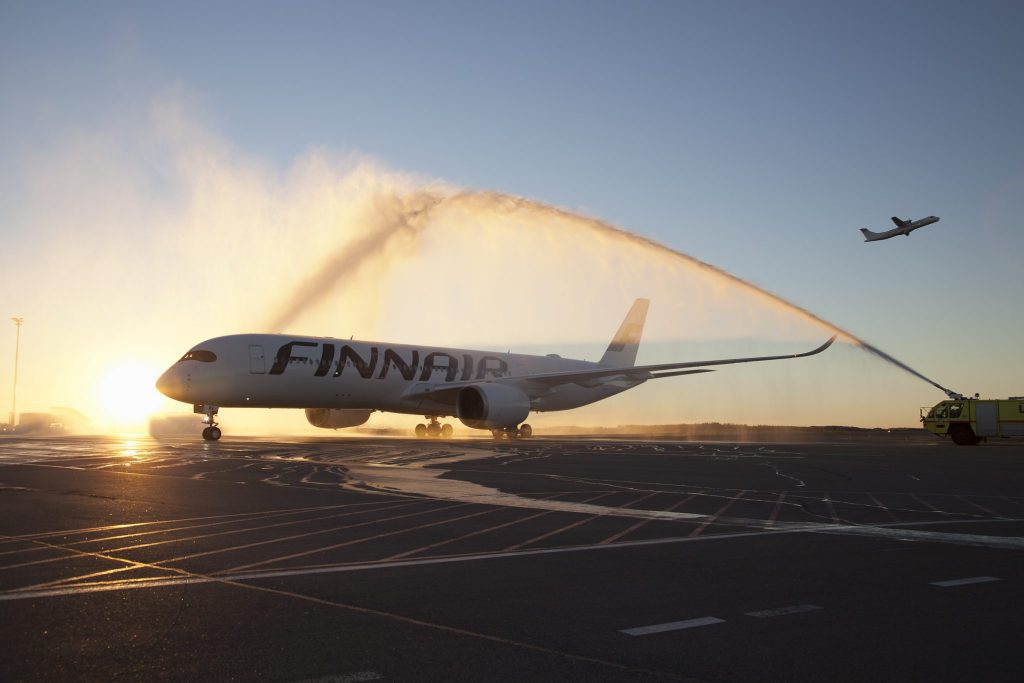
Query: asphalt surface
[415, 560]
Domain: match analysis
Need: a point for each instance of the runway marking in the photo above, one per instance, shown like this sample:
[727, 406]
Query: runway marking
[782, 611]
[416, 551]
[709, 522]
[983, 509]
[799, 482]
[567, 527]
[615, 537]
[776, 509]
[926, 504]
[387, 534]
[180, 539]
[191, 578]
[831, 510]
[113, 527]
[672, 626]
[883, 531]
[354, 677]
[202, 475]
[466, 632]
[33, 592]
[163, 563]
[231, 532]
[965, 582]
[882, 506]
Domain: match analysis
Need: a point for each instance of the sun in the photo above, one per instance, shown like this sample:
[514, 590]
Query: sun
[127, 394]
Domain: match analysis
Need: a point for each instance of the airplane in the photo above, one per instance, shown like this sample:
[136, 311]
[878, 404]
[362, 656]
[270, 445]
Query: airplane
[902, 228]
[340, 382]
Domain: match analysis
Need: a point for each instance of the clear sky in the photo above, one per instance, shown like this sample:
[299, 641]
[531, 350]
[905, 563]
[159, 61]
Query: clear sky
[757, 137]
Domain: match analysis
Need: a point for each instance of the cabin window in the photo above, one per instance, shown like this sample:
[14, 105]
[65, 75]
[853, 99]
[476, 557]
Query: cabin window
[939, 411]
[955, 409]
[199, 355]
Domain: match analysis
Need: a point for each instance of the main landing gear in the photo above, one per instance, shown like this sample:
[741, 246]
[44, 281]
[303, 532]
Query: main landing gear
[211, 433]
[524, 431]
[434, 429]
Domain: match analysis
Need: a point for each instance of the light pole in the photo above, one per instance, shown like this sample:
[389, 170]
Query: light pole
[17, 348]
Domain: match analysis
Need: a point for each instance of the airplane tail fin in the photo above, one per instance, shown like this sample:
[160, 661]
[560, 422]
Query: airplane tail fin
[868, 235]
[621, 352]
[900, 223]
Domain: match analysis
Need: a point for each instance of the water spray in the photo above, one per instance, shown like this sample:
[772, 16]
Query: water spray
[410, 214]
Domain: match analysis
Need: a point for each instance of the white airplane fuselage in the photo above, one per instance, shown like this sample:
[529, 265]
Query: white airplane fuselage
[283, 371]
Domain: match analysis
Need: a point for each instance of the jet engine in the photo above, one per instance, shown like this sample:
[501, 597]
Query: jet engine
[492, 406]
[336, 418]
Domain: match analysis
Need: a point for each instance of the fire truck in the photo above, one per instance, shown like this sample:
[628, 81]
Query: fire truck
[968, 421]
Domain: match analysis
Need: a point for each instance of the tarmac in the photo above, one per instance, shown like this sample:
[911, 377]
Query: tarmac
[355, 559]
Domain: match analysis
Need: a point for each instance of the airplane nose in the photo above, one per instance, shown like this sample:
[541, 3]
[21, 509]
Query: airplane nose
[171, 385]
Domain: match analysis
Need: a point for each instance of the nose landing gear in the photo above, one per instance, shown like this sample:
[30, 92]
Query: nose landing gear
[211, 433]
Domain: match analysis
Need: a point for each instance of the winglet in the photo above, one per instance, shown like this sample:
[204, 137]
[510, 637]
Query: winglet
[621, 352]
[819, 349]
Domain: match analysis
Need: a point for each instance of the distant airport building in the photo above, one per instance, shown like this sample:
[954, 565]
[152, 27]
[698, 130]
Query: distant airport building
[60, 420]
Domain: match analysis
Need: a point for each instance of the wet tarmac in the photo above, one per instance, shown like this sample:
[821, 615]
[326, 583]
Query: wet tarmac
[385, 559]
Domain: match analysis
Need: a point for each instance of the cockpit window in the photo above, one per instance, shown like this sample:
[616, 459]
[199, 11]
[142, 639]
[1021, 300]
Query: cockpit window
[955, 409]
[199, 355]
[939, 411]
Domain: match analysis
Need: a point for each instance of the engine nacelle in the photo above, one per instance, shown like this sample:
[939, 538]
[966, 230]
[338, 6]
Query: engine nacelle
[492, 406]
[336, 418]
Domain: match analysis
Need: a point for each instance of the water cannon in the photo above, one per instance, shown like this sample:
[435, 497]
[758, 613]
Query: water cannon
[960, 397]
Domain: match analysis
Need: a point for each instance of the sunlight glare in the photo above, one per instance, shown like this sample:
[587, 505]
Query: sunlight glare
[127, 394]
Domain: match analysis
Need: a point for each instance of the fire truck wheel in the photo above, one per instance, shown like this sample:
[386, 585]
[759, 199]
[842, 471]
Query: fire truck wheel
[963, 436]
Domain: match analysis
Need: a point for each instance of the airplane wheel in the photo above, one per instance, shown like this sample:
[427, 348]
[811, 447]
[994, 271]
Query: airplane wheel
[206, 434]
[446, 431]
[433, 430]
[526, 431]
[421, 430]
[214, 433]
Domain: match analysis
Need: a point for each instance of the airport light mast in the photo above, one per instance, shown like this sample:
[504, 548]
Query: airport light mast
[17, 348]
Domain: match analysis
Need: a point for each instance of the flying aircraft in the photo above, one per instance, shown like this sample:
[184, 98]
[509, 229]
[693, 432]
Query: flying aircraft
[340, 382]
[902, 228]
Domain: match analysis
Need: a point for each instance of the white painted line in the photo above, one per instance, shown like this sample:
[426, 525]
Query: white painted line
[965, 582]
[983, 509]
[346, 678]
[672, 626]
[879, 531]
[886, 531]
[782, 611]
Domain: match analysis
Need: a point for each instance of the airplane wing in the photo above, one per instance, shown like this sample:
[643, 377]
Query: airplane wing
[540, 382]
[900, 223]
